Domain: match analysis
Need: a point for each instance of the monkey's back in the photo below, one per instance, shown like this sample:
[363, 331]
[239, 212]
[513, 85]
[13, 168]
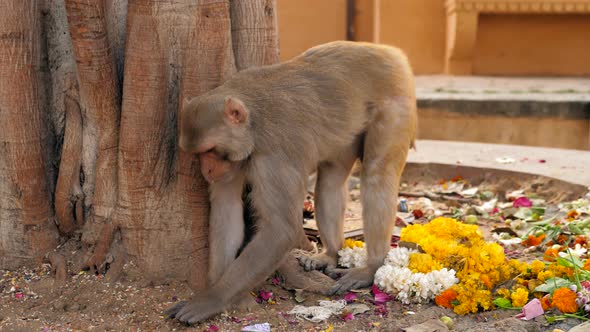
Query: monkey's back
[335, 85]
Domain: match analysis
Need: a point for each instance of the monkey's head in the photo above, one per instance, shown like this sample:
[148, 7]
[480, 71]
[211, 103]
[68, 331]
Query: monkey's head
[217, 128]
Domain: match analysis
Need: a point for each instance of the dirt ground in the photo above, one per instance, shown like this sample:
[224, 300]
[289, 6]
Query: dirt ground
[31, 300]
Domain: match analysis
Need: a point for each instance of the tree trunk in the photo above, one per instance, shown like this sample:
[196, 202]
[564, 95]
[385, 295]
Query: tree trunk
[114, 72]
[27, 230]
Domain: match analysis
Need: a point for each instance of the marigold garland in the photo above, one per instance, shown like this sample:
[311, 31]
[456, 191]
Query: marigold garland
[453, 251]
[479, 264]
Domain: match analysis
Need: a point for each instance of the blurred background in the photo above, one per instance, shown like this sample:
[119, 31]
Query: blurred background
[491, 71]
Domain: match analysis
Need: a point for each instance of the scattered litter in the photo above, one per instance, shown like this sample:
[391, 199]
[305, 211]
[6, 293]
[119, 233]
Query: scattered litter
[319, 313]
[264, 327]
[505, 160]
[469, 192]
[403, 205]
[531, 310]
[357, 308]
[486, 207]
[299, 296]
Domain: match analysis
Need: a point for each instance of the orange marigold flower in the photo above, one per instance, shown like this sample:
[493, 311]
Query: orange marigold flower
[546, 302]
[486, 281]
[586, 265]
[564, 299]
[581, 240]
[533, 240]
[562, 239]
[572, 214]
[457, 178]
[550, 254]
[445, 298]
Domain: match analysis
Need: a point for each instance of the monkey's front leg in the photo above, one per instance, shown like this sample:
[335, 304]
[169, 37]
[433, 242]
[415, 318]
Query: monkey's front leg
[278, 227]
[226, 225]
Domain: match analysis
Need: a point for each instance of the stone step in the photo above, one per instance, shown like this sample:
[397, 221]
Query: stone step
[551, 112]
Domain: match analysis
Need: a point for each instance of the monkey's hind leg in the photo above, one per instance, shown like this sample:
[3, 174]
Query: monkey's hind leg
[385, 150]
[330, 198]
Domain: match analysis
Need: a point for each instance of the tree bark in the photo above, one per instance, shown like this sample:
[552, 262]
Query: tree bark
[27, 230]
[114, 78]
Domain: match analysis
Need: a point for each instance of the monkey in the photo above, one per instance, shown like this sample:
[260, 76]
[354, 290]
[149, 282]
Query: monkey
[272, 126]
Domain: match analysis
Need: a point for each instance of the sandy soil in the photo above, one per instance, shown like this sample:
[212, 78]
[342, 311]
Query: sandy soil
[31, 300]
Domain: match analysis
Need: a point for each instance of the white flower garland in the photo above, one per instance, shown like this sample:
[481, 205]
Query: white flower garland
[394, 277]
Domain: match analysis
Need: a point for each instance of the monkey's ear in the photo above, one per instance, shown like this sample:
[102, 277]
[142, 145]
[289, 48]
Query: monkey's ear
[235, 111]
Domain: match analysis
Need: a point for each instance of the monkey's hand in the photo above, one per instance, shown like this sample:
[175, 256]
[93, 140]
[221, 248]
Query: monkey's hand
[319, 261]
[355, 278]
[202, 306]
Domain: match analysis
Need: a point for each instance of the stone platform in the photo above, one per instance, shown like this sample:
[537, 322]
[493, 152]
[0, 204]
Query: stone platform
[572, 166]
[550, 112]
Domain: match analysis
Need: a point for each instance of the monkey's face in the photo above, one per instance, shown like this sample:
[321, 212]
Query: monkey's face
[216, 128]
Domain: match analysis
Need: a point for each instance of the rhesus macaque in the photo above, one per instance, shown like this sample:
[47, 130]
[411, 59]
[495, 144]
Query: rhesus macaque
[274, 125]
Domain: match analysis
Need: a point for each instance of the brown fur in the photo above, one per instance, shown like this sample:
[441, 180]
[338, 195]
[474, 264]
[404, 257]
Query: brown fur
[272, 126]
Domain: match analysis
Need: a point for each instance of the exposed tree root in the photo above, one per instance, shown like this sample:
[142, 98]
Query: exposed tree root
[58, 267]
[69, 198]
[98, 260]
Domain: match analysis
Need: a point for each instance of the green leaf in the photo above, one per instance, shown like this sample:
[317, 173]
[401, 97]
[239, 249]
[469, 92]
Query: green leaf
[570, 261]
[575, 229]
[538, 210]
[552, 284]
[503, 303]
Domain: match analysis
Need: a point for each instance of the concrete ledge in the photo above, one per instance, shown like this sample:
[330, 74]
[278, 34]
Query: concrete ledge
[567, 165]
[552, 112]
[509, 107]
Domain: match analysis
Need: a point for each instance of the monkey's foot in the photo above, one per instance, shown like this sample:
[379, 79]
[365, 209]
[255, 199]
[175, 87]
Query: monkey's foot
[319, 261]
[355, 278]
[201, 307]
[245, 302]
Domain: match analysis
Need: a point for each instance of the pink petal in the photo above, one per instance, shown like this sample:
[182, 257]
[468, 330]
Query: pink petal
[265, 295]
[18, 295]
[213, 328]
[350, 297]
[348, 316]
[276, 281]
[381, 310]
[380, 296]
[522, 202]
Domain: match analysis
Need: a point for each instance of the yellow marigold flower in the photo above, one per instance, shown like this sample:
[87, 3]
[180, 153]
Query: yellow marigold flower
[518, 266]
[505, 293]
[350, 243]
[519, 297]
[423, 263]
[564, 299]
[480, 265]
[537, 266]
[544, 275]
[561, 271]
